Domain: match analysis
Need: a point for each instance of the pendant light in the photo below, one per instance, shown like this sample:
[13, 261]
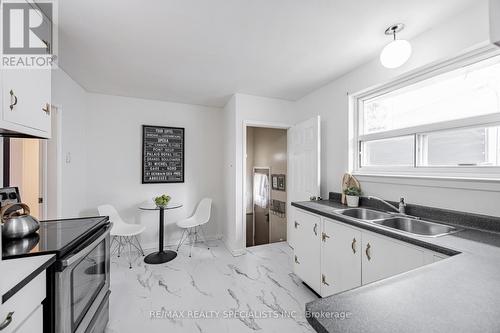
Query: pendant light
[398, 51]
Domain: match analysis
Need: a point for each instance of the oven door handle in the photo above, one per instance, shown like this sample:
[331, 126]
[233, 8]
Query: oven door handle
[81, 254]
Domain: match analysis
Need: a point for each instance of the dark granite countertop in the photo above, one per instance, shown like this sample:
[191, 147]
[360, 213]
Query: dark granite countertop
[458, 294]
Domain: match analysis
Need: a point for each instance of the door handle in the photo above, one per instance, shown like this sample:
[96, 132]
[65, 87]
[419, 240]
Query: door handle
[315, 229]
[12, 103]
[6, 321]
[296, 224]
[353, 245]
[80, 255]
[367, 251]
[324, 236]
[297, 260]
[46, 109]
[323, 280]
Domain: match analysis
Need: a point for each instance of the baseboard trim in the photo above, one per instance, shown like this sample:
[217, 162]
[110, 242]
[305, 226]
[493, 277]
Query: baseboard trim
[234, 252]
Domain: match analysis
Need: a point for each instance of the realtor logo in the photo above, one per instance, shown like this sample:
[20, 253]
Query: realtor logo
[27, 34]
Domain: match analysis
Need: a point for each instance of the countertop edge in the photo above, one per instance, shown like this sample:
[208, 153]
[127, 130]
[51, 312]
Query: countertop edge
[12, 291]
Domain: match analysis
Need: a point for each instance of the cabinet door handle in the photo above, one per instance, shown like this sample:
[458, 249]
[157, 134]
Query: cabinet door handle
[367, 251]
[324, 236]
[7, 321]
[323, 280]
[353, 245]
[12, 103]
[315, 229]
[297, 260]
[296, 224]
[46, 109]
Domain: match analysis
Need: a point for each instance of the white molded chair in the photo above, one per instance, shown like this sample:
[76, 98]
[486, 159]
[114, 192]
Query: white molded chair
[123, 233]
[193, 225]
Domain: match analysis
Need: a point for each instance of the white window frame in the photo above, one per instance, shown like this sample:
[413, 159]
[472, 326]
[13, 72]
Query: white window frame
[483, 173]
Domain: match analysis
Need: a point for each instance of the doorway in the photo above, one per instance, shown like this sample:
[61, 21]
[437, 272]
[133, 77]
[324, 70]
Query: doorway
[35, 167]
[266, 196]
[24, 168]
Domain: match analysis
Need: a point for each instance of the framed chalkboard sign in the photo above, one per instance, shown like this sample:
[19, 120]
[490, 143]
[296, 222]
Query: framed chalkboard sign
[162, 154]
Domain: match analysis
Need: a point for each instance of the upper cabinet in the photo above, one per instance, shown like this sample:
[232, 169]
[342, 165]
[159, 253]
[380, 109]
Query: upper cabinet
[26, 95]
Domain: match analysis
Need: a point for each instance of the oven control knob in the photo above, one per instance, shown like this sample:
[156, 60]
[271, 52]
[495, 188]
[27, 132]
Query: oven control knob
[3, 196]
[12, 195]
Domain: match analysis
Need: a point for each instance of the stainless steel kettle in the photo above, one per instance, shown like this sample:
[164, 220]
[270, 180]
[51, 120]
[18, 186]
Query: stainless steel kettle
[15, 224]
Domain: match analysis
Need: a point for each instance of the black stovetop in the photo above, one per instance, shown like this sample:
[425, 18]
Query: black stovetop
[54, 236]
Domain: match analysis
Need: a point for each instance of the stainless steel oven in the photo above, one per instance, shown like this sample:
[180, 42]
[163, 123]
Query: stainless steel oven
[82, 286]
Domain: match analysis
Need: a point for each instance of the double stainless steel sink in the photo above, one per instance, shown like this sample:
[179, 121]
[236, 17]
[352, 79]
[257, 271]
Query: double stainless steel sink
[364, 214]
[400, 223]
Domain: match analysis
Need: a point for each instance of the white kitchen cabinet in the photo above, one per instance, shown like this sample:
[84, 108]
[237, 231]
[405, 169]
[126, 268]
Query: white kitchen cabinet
[32, 324]
[494, 14]
[25, 308]
[26, 96]
[384, 257]
[332, 256]
[340, 258]
[307, 248]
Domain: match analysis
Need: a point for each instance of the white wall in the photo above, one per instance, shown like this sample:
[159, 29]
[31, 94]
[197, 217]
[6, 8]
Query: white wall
[114, 138]
[229, 227]
[94, 126]
[331, 103]
[71, 100]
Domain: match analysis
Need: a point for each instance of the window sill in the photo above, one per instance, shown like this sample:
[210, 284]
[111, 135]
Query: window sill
[458, 182]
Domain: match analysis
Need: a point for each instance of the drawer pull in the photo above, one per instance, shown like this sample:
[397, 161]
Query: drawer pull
[297, 260]
[12, 103]
[315, 229]
[323, 280]
[7, 321]
[46, 109]
[367, 251]
[353, 245]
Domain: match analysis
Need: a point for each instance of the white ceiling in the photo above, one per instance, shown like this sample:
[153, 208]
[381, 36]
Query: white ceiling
[203, 51]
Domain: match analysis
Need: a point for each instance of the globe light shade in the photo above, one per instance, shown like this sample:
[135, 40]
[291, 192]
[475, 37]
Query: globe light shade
[395, 54]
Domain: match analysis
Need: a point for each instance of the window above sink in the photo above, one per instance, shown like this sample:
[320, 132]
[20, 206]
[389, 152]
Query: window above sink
[442, 122]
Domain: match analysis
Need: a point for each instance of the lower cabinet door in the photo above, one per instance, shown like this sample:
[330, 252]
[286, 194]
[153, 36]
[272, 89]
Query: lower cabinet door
[307, 250]
[341, 258]
[32, 324]
[383, 257]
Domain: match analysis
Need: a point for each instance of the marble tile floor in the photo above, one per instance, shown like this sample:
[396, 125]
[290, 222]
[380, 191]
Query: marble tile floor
[210, 292]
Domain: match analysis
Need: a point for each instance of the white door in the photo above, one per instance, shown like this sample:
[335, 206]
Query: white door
[303, 166]
[307, 252]
[383, 257]
[340, 258]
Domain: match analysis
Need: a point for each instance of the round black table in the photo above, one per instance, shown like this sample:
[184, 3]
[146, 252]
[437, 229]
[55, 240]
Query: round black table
[162, 255]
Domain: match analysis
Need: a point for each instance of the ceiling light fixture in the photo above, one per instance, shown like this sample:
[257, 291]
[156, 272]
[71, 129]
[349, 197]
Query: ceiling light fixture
[398, 51]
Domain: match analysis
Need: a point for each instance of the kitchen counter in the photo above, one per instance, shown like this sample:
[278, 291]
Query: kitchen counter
[460, 293]
[16, 273]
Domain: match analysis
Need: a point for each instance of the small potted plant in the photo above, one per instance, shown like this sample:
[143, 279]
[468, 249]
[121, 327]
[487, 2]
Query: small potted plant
[162, 201]
[352, 194]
